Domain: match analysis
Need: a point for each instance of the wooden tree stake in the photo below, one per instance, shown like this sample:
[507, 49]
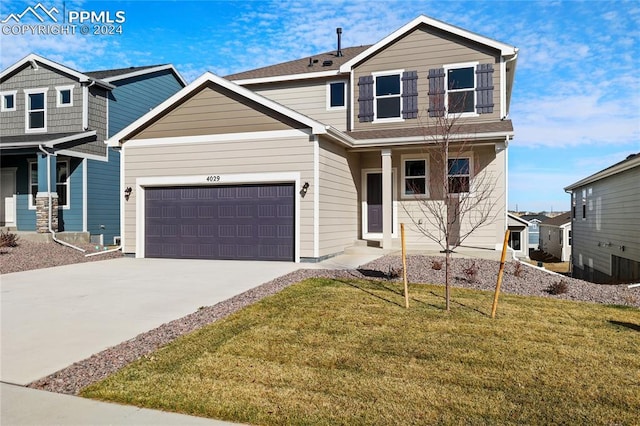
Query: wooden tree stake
[504, 255]
[404, 268]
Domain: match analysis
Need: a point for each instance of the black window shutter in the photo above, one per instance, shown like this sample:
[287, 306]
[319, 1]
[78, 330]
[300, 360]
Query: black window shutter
[365, 98]
[436, 92]
[410, 94]
[484, 88]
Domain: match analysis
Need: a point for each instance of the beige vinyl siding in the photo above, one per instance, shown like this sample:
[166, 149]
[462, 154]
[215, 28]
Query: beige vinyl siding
[613, 216]
[338, 199]
[306, 97]
[486, 164]
[293, 154]
[550, 241]
[421, 50]
[214, 111]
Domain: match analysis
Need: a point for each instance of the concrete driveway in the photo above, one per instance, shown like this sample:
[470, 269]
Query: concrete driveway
[51, 318]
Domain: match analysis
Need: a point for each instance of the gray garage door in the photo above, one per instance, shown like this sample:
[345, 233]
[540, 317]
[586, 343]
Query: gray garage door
[247, 222]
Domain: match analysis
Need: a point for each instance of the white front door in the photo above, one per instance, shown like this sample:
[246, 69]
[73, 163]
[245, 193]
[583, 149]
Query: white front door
[7, 198]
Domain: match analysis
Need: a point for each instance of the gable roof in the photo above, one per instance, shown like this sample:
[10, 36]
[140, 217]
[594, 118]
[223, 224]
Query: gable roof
[321, 65]
[534, 217]
[103, 78]
[517, 218]
[630, 162]
[559, 220]
[33, 60]
[504, 49]
[124, 73]
[208, 77]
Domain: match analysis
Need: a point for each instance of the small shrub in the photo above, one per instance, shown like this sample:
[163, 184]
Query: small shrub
[7, 239]
[518, 271]
[436, 265]
[471, 272]
[559, 287]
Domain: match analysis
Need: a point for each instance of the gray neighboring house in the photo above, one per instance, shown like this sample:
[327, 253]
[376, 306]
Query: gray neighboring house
[556, 235]
[606, 233]
[534, 228]
[56, 119]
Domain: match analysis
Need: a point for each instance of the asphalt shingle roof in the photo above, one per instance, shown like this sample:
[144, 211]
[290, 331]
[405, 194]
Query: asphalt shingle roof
[309, 64]
[101, 74]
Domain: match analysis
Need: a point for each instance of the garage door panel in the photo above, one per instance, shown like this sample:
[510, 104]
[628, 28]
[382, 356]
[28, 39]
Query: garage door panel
[223, 222]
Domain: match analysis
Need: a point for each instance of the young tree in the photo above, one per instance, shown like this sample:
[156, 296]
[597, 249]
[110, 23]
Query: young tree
[461, 194]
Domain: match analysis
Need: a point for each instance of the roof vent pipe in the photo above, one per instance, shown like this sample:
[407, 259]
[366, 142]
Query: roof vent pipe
[339, 32]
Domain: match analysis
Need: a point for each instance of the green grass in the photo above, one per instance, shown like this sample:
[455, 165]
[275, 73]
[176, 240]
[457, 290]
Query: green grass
[347, 352]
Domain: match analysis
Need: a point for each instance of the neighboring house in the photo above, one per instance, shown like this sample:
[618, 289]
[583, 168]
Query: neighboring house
[606, 233]
[556, 236]
[534, 228]
[57, 119]
[299, 160]
[518, 236]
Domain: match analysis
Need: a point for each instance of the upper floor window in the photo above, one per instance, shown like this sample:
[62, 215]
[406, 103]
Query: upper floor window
[8, 101]
[337, 95]
[388, 95]
[461, 90]
[459, 175]
[415, 177]
[64, 96]
[36, 110]
[464, 89]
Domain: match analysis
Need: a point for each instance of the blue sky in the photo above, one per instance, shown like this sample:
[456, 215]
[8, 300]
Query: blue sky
[576, 101]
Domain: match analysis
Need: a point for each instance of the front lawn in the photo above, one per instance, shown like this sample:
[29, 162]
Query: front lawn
[347, 352]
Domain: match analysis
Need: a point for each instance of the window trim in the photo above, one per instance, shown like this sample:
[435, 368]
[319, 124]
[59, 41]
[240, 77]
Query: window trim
[67, 206]
[59, 90]
[468, 156]
[336, 108]
[473, 89]
[414, 157]
[375, 76]
[14, 94]
[28, 92]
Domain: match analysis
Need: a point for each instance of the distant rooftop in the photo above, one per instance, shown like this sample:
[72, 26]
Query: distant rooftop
[102, 74]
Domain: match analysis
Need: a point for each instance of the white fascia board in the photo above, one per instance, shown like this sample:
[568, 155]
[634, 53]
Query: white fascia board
[414, 140]
[147, 71]
[33, 57]
[289, 77]
[517, 219]
[118, 138]
[505, 49]
[225, 137]
[613, 170]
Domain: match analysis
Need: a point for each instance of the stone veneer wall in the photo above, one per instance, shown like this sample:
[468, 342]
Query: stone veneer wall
[42, 212]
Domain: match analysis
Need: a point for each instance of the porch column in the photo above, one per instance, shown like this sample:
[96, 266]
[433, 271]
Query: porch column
[46, 163]
[387, 199]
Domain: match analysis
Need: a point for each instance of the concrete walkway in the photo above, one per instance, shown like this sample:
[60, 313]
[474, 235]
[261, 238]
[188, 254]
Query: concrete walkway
[51, 318]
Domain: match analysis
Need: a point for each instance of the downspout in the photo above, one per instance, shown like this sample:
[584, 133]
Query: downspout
[53, 234]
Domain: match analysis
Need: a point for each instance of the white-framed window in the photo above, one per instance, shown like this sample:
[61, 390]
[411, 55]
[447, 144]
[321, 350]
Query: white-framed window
[415, 176]
[8, 99]
[64, 96]
[62, 182]
[387, 90]
[459, 175]
[35, 101]
[337, 95]
[515, 240]
[460, 87]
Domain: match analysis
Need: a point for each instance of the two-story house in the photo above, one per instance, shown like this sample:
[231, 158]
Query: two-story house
[556, 236]
[58, 175]
[606, 233]
[298, 160]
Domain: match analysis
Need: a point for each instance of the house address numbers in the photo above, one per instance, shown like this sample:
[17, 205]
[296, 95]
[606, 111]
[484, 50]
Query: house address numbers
[213, 178]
